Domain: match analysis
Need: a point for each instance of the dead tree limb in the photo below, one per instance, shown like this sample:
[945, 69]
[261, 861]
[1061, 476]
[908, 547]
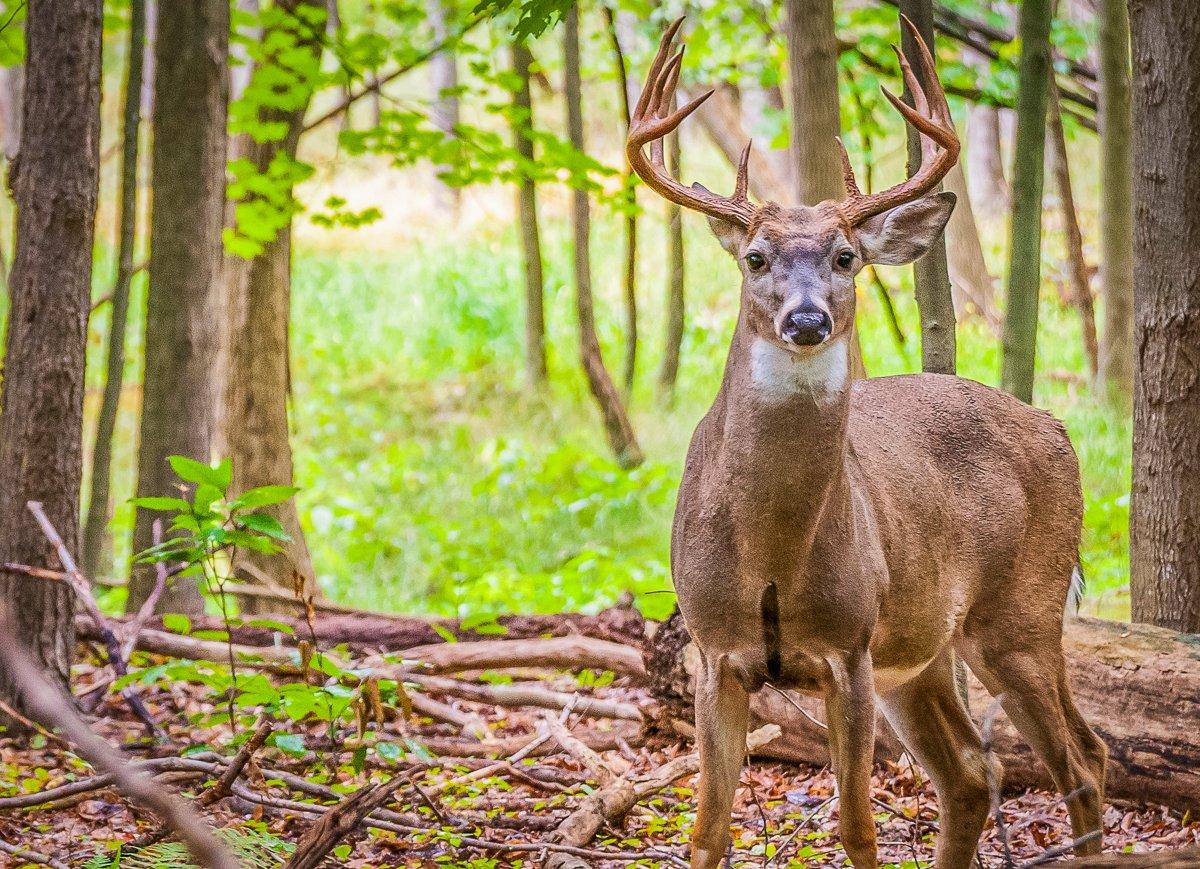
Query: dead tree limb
[52, 708]
[568, 653]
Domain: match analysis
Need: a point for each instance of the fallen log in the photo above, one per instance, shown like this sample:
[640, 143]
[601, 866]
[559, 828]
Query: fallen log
[569, 652]
[1138, 686]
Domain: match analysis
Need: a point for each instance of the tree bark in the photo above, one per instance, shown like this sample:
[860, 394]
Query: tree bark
[812, 68]
[531, 244]
[1081, 289]
[985, 162]
[98, 506]
[971, 284]
[629, 185]
[188, 192]
[12, 85]
[1025, 247]
[55, 184]
[1138, 687]
[255, 433]
[1116, 203]
[668, 373]
[443, 82]
[1165, 508]
[931, 274]
[616, 421]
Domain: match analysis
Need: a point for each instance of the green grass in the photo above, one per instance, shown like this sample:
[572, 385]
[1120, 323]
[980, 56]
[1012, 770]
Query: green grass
[434, 482]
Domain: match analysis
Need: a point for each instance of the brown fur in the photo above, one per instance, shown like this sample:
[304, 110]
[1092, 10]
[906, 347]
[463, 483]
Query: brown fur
[899, 521]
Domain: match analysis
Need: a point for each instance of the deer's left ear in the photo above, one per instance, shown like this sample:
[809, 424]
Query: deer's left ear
[906, 232]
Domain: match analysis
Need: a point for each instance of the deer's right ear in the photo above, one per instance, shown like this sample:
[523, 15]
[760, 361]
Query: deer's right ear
[729, 234]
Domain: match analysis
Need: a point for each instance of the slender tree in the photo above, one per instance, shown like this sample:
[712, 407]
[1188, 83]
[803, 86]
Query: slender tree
[669, 372]
[616, 420]
[1025, 248]
[931, 274]
[531, 244]
[1116, 202]
[55, 186]
[1165, 505]
[98, 506]
[629, 185]
[188, 192]
[971, 284]
[443, 81]
[812, 68]
[256, 383]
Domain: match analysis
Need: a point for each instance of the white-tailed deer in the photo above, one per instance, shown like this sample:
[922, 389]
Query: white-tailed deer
[846, 539]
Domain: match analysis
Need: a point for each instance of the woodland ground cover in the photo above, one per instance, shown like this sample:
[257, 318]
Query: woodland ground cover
[434, 481]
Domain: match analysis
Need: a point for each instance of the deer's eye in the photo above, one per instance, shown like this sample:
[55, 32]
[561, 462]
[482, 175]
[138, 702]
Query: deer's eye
[755, 261]
[844, 259]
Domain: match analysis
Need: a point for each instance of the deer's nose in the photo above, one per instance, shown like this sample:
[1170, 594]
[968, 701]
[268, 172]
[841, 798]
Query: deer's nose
[806, 327]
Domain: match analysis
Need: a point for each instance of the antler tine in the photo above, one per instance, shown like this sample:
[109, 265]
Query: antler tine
[848, 178]
[653, 119]
[930, 116]
[742, 185]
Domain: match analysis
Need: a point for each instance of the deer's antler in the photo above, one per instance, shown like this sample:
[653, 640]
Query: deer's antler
[939, 141]
[653, 119]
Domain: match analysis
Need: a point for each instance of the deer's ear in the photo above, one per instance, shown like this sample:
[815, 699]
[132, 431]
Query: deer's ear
[729, 234]
[906, 232]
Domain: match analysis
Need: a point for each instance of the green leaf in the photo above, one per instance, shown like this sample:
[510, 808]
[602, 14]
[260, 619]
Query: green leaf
[445, 634]
[166, 505]
[177, 623]
[263, 496]
[264, 524]
[290, 743]
[389, 751]
[420, 750]
[192, 471]
[204, 498]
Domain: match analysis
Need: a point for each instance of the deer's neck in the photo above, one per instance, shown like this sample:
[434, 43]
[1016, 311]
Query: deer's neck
[785, 430]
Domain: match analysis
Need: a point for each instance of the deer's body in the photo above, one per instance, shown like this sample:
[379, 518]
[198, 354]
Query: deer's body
[848, 539]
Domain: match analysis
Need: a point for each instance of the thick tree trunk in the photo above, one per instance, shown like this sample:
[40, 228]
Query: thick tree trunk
[971, 284]
[443, 82]
[812, 68]
[668, 372]
[629, 184]
[188, 193]
[985, 162]
[54, 183]
[616, 420]
[98, 506]
[1165, 509]
[257, 379]
[531, 244]
[1138, 687]
[1116, 203]
[931, 274]
[1025, 248]
[1081, 289]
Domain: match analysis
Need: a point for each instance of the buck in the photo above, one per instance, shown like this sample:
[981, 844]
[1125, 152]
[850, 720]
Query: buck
[847, 539]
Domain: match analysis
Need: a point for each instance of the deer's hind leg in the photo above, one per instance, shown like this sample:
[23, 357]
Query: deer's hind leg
[929, 717]
[1026, 669]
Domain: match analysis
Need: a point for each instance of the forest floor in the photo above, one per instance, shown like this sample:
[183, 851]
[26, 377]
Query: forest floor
[473, 803]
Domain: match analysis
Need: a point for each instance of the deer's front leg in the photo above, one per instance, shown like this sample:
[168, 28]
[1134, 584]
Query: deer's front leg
[722, 717]
[850, 714]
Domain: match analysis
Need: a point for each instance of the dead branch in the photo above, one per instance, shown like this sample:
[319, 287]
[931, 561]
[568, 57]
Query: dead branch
[50, 706]
[1160, 860]
[525, 695]
[31, 856]
[470, 723]
[564, 653]
[221, 789]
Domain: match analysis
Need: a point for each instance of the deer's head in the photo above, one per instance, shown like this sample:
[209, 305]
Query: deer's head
[798, 264]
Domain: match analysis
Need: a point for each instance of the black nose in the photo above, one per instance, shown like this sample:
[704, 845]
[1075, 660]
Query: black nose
[806, 327]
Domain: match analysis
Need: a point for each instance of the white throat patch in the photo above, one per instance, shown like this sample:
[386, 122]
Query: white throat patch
[779, 374]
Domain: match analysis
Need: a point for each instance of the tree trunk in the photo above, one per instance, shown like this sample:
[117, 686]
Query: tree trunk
[443, 82]
[931, 274]
[1116, 203]
[1081, 289]
[668, 373]
[241, 67]
[188, 193]
[616, 421]
[54, 183]
[812, 67]
[12, 80]
[1137, 686]
[531, 244]
[972, 285]
[985, 162]
[1165, 508]
[629, 184]
[257, 380]
[98, 506]
[1025, 247]
[754, 103]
